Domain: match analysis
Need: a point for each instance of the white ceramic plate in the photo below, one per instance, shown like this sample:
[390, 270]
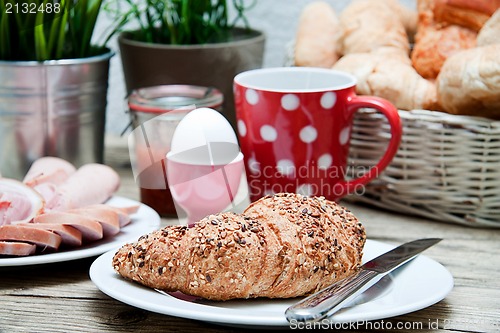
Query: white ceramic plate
[143, 222]
[421, 283]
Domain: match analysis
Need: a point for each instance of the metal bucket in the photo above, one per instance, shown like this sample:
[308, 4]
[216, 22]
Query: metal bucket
[52, 108]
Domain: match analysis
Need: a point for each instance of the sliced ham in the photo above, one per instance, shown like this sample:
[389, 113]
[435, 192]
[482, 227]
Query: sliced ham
[19, 203]
[70, 236]
[90, 184]
[39, 237]
[130, 210]
[16, 248]
[91, 229]
[48, 192]
[107, 218]
[123, 216]
[53, 170]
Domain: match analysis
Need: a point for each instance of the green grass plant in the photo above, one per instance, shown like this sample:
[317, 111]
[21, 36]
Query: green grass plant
[48, 29]
[178, 22]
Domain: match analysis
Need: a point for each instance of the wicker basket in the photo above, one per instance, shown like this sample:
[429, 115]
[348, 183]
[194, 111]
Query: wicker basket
[447, 167]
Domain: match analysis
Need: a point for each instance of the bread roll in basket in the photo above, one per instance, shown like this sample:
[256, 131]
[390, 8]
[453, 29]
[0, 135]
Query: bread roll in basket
[371, 40]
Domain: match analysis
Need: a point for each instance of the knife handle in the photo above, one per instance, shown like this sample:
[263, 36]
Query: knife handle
[331, 299]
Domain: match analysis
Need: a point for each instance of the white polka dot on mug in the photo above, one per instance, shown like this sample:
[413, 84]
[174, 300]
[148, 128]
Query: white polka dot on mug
[268, 133]
[297, 123]
[290, 102]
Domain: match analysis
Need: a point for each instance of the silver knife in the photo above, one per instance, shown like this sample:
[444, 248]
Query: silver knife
[327, 301]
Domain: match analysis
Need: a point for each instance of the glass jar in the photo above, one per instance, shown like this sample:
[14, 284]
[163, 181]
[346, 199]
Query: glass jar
[155, 113]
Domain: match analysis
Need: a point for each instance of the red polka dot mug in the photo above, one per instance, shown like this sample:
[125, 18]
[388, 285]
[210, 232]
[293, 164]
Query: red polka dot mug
[294, 126]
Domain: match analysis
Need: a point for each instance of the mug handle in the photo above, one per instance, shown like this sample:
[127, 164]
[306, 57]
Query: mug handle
[391, 113]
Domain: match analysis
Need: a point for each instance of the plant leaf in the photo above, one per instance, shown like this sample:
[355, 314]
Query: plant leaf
[61, 38]
[5, 50]
[90, 19]
[55, 27]
[40, 42]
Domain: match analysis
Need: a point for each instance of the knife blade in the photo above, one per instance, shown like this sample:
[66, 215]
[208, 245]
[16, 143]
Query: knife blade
[329, 300]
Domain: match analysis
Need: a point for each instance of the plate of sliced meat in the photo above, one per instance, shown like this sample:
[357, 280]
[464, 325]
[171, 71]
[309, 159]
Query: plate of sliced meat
[59, 213]
[52, 240]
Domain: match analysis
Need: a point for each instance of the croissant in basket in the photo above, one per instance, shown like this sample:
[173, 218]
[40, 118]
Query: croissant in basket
[285, 245]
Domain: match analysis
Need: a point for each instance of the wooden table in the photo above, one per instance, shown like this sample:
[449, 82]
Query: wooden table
[61, 298]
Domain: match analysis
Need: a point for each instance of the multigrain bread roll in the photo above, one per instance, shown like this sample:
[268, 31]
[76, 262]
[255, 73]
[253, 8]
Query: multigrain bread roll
[317, 38]
[469, 82]
[320, 241]
[285, 245]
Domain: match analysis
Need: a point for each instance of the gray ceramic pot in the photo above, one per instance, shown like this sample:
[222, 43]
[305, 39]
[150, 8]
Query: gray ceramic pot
[208, 65]
[52, 108]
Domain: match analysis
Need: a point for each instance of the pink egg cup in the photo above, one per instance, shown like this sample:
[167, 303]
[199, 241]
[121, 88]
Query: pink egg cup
[202, 190]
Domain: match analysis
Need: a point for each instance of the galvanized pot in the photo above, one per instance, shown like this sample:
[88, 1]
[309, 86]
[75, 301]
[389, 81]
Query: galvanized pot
[52, 108]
